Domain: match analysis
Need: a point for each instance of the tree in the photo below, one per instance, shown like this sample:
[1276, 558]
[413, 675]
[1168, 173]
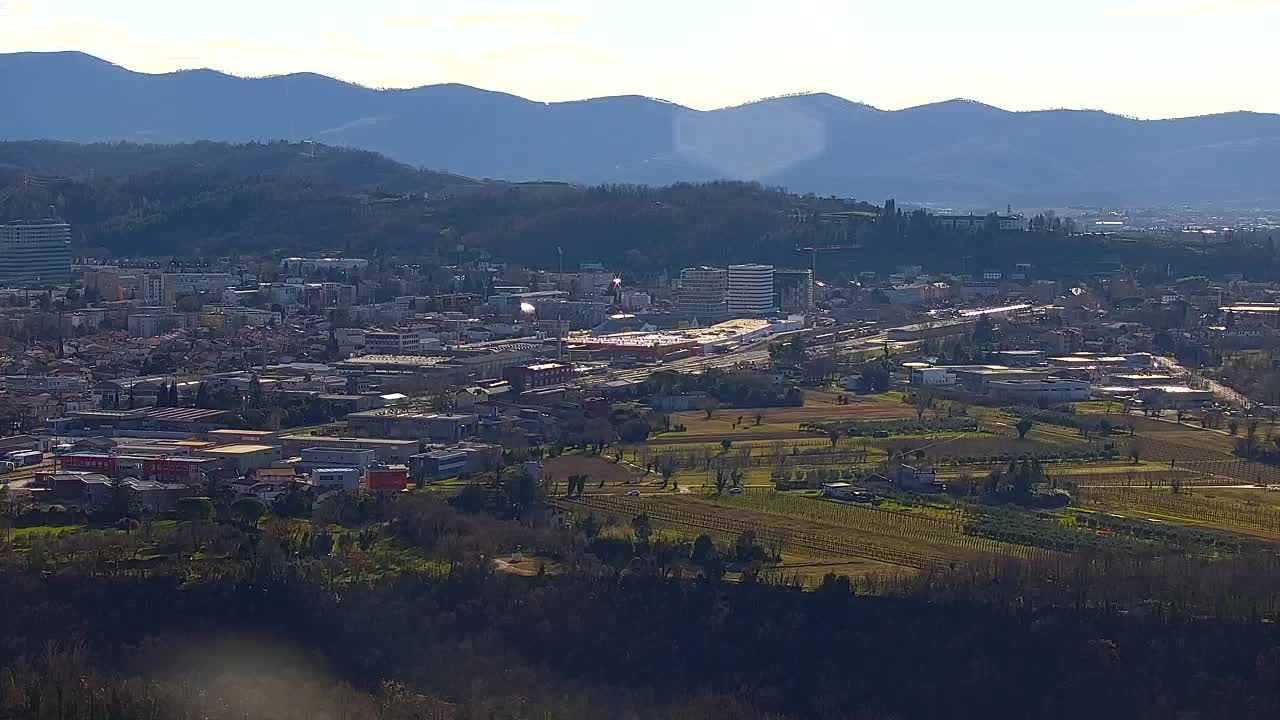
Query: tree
[1024, 426]
[13, 505]
[759, 418]
[195, 509]
[202, 396]
[642, 527]
[709, 406]
[833, 435]
[634, 430]
[875, 378]
[598, 433]
[666, 465]
[703, 552]
[725, 444]
[248, 511]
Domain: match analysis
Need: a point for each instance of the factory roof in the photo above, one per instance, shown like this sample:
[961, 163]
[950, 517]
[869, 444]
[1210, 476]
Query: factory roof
[244, 449]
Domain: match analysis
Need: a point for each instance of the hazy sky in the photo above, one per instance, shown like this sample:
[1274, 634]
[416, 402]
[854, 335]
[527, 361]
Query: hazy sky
[1149, 58]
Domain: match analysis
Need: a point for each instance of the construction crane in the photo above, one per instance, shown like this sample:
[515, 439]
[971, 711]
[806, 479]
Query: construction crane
[815, 249]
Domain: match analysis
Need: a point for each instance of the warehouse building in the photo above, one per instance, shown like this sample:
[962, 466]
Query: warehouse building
[1031, 392]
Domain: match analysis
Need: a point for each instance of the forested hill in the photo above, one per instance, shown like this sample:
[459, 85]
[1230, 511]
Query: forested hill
[956, 153]
[342, 166]
[212, 199]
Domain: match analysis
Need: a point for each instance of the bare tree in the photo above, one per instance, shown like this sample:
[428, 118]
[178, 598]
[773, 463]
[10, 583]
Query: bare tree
[709, 406]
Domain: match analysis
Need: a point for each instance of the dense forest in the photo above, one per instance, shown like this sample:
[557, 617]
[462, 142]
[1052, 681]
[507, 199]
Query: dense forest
[391, 608]
[214, 199]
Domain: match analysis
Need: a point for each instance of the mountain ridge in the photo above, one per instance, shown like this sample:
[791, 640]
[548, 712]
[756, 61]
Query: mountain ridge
[959, 152]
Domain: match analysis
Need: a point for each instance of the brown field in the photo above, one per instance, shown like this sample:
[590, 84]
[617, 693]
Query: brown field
[785, 524]
[783, 422]
[809, 571]
[596, 467]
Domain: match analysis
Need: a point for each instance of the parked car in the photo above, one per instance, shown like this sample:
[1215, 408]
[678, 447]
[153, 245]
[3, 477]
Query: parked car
[633, 493]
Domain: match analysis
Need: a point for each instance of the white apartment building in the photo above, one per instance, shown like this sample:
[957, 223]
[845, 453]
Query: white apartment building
[704, 292]
[302, 266]
[400, 342]
[750, 289]
[179, 284]
[35, 253]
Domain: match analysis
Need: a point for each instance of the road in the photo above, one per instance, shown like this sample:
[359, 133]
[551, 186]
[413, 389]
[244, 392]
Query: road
[23, 475]
[1170, 365]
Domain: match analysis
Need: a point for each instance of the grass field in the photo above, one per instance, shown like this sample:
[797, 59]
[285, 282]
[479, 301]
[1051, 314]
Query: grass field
[779, 422]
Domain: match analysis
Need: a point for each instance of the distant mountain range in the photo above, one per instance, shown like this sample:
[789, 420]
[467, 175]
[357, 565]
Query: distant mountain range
[956, 153]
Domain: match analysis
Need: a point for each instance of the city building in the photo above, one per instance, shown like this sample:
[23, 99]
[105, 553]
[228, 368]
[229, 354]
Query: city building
[1030, 392]
[400, 342]
[1173, 397]
[344, 478]
[750, 289]
[152, 322]
[532, 377]
[153, 289]
[243, 457]
[303, 266]
[437, 427]
[176, 285]
[704, 293]
[793, 290]
[35, 253]
[386, 450]
[347, 457]
[105, 282]
[973, 222]
[390, 478]
[438, 464]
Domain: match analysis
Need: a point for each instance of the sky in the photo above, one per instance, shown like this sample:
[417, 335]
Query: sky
[1144, 58]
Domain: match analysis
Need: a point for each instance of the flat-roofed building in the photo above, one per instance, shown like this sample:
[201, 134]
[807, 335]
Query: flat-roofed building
[401, 342]
[793, 290]
[244, 457]
[1173, 397]
[346, 479]
[539, 375]
[704, 293]
[388, 450]
[750, 289]
[436, 427]
[1030, 392]
[35, 253]
[360, 458]
[1020, 358]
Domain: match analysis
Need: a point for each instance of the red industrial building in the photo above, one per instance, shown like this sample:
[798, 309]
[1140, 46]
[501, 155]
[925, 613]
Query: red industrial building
[532, 377]
[389, 478]
[160, 469]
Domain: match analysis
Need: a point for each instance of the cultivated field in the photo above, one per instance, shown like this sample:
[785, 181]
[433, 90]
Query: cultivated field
[596, 468]
[783, 422]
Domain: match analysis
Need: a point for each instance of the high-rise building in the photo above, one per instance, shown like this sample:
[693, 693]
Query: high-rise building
[153, 289]
[750, 289]
[35, 253]
[704, 293]
[793, 290]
